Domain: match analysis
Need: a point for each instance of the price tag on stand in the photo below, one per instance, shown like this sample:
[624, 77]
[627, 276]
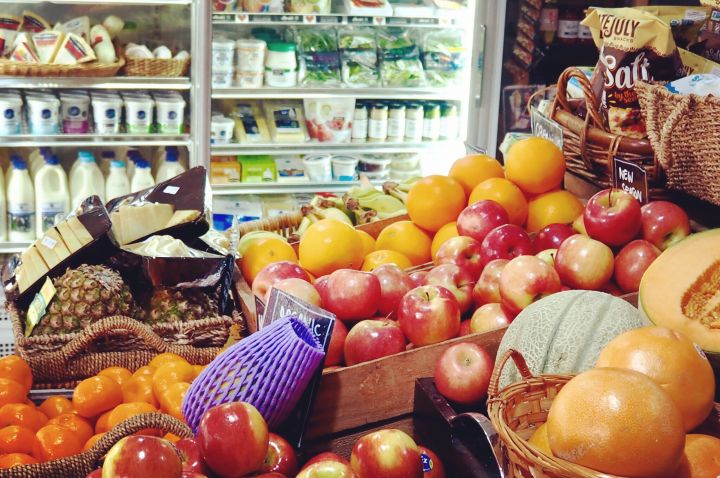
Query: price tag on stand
[544, 127]
[631, 178]
[310, 19]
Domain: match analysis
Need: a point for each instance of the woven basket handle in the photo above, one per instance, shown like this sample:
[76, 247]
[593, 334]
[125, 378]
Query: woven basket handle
[520, 363]
[561, 98]
[155, 421]
[275, 224]
[664, 155]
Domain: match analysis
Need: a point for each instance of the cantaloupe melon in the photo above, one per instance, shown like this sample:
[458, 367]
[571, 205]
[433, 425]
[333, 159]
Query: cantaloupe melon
[565, 332]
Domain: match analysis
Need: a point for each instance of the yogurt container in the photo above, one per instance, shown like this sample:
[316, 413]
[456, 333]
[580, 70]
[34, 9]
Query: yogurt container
[138, 114]
[106, 114]
[10, 114]
[221, 129]
[223, 54]
[318, 167]
[75, 111]
[170, 114]
[374, 165]
[251, 55]
[222, 79]
[249, 80]
[343, 168]
[43, 114]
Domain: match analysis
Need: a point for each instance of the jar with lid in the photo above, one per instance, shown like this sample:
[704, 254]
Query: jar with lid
[414, 122]
[568, 26]
[585, 35]
[281, 65]
[396, 122]
[448, 121]
[378, 124]
[431, 121]
[360, 122]
[549, 20]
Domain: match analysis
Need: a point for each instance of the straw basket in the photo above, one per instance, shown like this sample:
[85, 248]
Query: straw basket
[284, 224]
[85, 70]
[156, 67]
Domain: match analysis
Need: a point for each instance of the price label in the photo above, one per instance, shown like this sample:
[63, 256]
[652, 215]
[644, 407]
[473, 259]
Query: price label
[379, 20]
[360, 20]
[427, 21]
[631, 178]
[310, 19]
[223, 17]
[544, 127]
[398, 21]
[329, 19]
[242, 18]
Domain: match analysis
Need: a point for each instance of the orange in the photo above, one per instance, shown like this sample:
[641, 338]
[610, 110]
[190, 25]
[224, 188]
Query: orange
[56, 405]
[554, 207]
[171, 373]
[139, 389]
[172, 398]
[126, 410]
[149, 370]
[23, 415]
[11, 392]
[96, 395]
[368, 242]
[407, 239]
[101, 425]
[264, 252]
[329, 245]
[504, 193]
[446, 232]
[13, 367]
[473, 169]
[198, 369]
[701, 458]
[539, 439]
[535, 165]
[171, 438]
[377, 258]
[119, 374]
[434, 201]
[92, 441]
[76, 424]
[54, 442]
[17, 439]
[162, 359]
[16, 459]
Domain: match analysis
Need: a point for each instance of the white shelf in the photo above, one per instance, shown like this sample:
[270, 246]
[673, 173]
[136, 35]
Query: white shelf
[332, 148]
[13, 247]
[285, 188]
[446, 19]
[360, 93]
[109, 2]
[93, 140]
[109, 83]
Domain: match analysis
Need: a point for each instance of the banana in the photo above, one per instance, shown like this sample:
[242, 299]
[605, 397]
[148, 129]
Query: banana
[399, 190]
[248, 239]
[332, 213]
[383, 204]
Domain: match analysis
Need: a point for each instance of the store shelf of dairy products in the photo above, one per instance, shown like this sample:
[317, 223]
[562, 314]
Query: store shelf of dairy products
[458, 18]
[332, 148]
[285, 188]
[93, 140]
[107, 2]
[110, 83]
[13, 247]
[359, 93]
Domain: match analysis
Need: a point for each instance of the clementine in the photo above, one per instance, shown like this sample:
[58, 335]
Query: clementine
[23, 415]
[368, 242]
[159, 360]
[56, 405]
[535, 165]
[78, 425]
[127, 410]
[172, 398]
[14, 368]
[149, 370]
[473, 169]
[171, 373]
[17, 439]
[264, 252]
[561, 207]
[96, 395]
[139, 389]
[434, 201]
[16, 459]
[701, 458]
[329, 245]
[11, 392]
[446, 232]
[101, 424]
[92, 441]
[408, 239]
[119, 374]
[54, 442]
[505, 193]
[377, 258]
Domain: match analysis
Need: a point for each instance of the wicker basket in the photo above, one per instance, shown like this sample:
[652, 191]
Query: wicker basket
[61, 361]
[156, 67]
[684, 131]
[284, 224]
[79, 466]
[85, 70]
[589, 147]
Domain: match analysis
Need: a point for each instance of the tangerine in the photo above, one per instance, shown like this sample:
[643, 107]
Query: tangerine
[434, 201]
[408, 239]
[446, 232]
[171, 438]
[172, 398]
[139, 389]
[377, 258]
[56, 405]
[171, 373]
[368, 242]
[76, 424]
[16, 459]
[561, 207]
[473, 169]
[54, 442]
[92, 441]
[329, 245]
[96, 395]
[101, 424]
[11, 392]
[23, 415]
[119, 374]
[505, 193]
[14, 368]
[149, 369]
[264, 252]
[127, 410]
[536, 165]
[701, 458]
[162, 359]
[17, 439]
[198, 369]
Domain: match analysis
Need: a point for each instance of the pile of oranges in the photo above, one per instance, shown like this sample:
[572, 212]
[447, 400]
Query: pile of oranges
[60, 427]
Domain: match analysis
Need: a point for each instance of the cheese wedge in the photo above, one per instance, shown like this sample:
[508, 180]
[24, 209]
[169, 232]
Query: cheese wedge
[52, 248]
[130, 223]
[183, 216]
[34, 23]
[79, 26]
[74, 50]
[24, 53]
[47, 45]
[68, 237]
[32, 268]
[79, 230]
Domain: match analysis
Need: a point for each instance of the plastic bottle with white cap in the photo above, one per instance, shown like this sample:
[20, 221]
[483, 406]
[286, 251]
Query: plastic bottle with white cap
[52, 197]
[3, 207]
[36, 160]
[21, 203]
[171, 167]
[142, 179]
[117, 183]
[87, 180]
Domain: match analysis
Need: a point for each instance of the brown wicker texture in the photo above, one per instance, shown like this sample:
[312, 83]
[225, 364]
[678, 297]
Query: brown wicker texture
[79, 466]
[685, 132]
[283, 224]
[85, 70]
[589, 147]
[516, 411]
[156, 67]
[61, 361]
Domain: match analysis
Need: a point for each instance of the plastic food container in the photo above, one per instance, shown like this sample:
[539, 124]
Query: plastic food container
[408, 162]
[75, 110]
[251, 55]
[249, 80]
[373, 165]
[10, 114]
[138, 114]
[318, 167]
[43, 114]
[403, 175]
[106, 114]
[223, 54]
[378, 176]
[221, 129]
[223, 79]
[170, 114]
[343, 168]
[281, 65]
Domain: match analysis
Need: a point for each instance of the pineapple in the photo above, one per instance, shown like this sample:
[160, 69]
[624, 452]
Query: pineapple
[85, 295]
[179, 305]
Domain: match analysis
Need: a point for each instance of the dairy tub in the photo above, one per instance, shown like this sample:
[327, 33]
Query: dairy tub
[138, 114]
[106, 114]
[75, 112]
[221, 129]
[43, 114]
[170, 114]
[318, 167]
[344, 167]
[10, 114]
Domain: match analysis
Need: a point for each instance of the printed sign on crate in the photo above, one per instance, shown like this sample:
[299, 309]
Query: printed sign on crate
[546, 128]
[631, 178]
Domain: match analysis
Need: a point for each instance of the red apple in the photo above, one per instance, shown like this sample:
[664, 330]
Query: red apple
[95, 474]
[613, 289]
[547, 256]
[613, 217]
[428, 315]
[506, 242]
[327, 469]
[462, 373]
[479, 218]
[352, 295]
[418, 278]
[320, 285]
[271, 475]
[386, 454]
[432, 466]
[463, 251]
[584, 263]
[490, 317]
[326, 456]
[335, 352]
[192, 459]
[139, 455]
[299, 288]
[276, 272]
[192, 474]
[487, 289]
[664, 223]
[457, 280]
[372, 339]
[394, 284]
[552, 235]
[233, 439]
[280, 458]
[465, 328]
[631, 263]
[525, 280]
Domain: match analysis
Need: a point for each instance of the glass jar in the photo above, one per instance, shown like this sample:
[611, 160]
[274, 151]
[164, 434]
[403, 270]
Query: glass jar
[378, 124]
[360, 122]
[568, 26]
[431, 122]
[396, 122]
[281, 65]
[549, 20]
[448, 121]
[414, 122]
